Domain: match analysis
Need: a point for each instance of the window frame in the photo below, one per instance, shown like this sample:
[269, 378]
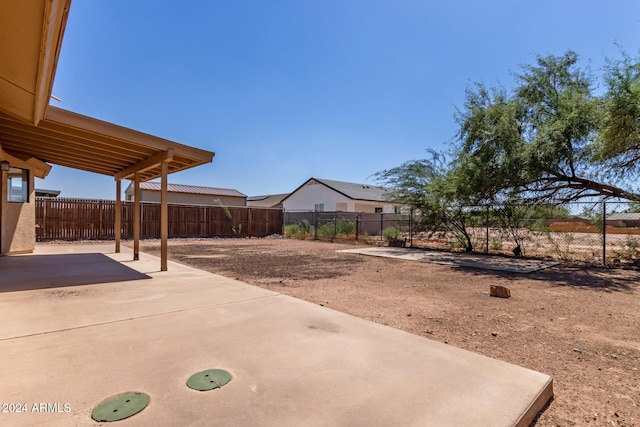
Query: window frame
[15, 174]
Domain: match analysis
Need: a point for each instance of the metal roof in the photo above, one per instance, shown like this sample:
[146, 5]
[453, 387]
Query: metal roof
[192, 189]
[47, 193]
[267, 201]
[629, 216]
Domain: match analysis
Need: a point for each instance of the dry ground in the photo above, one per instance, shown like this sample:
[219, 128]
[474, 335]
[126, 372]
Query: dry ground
[578, 325]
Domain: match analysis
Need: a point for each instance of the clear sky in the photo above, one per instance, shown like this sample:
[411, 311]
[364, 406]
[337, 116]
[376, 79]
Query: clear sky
[283, 90]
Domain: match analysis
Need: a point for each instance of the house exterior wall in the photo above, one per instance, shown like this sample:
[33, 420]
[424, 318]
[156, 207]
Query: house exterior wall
[189, 198]
[307, 197]
[17, 220]
[370, 207]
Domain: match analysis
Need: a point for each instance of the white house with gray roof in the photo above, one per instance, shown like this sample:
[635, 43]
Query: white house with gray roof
[324, 195]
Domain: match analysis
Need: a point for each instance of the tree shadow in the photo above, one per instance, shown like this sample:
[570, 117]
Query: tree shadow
[594, 278]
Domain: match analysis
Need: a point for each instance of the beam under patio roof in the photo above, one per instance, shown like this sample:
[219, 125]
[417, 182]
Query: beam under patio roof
[80, 142]
[69, 139]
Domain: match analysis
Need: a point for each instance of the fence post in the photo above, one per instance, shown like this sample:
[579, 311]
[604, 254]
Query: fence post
[411, 227]
[357, 225]
[315, 225]
[100, 232]
[604, 233]
[487, 224]
[381, 224]
[44, 218]
[284, 222]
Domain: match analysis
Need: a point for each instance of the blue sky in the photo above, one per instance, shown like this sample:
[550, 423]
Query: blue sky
[283, 90]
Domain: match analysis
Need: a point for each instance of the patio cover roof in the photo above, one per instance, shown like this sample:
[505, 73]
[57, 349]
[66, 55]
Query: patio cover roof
[31, 34]
[69, 139]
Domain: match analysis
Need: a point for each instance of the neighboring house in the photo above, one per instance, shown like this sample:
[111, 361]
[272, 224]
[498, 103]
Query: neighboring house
[188, 194]
[624, 219]
[270, 201]
[320, 195]
[572, 220]
[41, 192]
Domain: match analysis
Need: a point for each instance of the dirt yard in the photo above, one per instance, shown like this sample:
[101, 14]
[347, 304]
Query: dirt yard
[579, 325]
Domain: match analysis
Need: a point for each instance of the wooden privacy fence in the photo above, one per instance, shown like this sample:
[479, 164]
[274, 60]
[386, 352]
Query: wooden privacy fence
[79, 219]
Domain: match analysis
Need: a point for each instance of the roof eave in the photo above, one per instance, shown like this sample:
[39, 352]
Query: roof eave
[53, 28]
[189, 156]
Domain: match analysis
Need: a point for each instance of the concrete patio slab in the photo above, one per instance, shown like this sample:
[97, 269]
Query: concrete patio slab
[515, 265]
[293, 363]
[92, 296]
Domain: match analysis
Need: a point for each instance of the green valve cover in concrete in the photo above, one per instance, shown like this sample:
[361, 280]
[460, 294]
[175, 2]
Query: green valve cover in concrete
[209, 379]
[120, 407]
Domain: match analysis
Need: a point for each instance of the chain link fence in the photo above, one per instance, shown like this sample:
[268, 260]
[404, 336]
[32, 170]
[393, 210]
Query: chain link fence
[590, 232]
[348, 226]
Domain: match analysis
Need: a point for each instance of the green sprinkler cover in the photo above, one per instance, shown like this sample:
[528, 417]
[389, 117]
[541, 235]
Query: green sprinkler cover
[209, 379]
[119, 407]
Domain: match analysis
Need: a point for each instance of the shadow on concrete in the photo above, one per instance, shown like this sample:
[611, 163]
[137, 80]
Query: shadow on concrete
[27, 272]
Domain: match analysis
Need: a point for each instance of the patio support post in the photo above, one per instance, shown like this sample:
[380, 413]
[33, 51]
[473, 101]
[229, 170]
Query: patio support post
[136, 217]
[164, 216]
[118, 225]
[3, 197]
[604, 232]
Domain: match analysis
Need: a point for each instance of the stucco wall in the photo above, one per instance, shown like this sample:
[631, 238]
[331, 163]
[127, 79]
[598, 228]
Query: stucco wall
[370, 207]
[18, 220]
[308, 196]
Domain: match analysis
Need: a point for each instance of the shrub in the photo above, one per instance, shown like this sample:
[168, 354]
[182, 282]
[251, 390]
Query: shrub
[496, 244]
[297, 231]
[368, 240]
[336, 228]
[630, 249]
[563, 252]
[390, 233]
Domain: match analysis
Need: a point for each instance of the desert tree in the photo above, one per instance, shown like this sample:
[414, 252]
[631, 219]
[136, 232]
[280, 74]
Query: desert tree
[535, 142]
[431, 188]
[618, 145]
[545, 142]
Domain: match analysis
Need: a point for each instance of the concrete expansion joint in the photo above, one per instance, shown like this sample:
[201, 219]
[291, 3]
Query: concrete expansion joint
[147, 316]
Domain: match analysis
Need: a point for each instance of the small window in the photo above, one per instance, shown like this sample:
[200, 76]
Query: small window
[397, 209]
[378, 210]
[319, 207]
[18, 185]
